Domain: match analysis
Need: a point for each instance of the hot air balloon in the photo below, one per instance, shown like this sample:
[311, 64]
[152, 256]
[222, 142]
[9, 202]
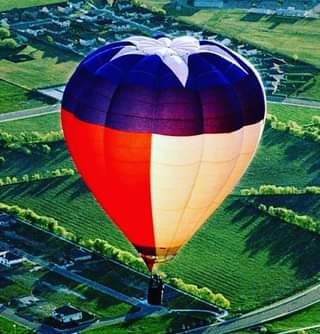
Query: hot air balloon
[161, 130]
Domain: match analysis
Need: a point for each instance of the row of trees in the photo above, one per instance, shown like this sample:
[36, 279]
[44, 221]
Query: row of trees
[28, 143]
[7, 42]
[202, 293]
[310, 132]
[32, 137]
[269, 189]
[37, 176]
[104, 248]
[45, 222]
[291, 217]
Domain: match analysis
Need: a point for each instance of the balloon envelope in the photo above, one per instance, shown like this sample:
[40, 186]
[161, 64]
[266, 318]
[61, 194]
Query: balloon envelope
[161, 131]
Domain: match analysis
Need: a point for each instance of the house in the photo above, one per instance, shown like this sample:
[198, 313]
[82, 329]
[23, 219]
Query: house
[3, 252]
[67, 314]
[9, 259]
[26, 301]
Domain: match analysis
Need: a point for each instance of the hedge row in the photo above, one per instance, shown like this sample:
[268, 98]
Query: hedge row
[291, 217]
[312, 132]
[104, 248]
[268, 189]
[29, 137]
[45, 222]
[37, 176]
[202, 293]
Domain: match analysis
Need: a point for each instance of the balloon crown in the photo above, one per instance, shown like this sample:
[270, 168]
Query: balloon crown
[174, 52]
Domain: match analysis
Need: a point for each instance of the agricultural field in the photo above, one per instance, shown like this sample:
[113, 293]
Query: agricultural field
[249, 256]
[39, 65]
[10, 4]
[14, 98]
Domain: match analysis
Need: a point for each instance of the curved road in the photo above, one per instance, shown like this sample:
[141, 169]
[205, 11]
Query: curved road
[274, 311]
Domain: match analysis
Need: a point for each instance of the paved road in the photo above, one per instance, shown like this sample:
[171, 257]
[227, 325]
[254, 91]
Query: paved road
[27, 113]
[271, 312]
[97, 286]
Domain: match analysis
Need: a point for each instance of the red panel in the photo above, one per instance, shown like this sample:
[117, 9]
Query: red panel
[115, 165]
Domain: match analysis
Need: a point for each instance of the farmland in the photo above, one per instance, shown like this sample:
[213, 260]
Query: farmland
[10, 4]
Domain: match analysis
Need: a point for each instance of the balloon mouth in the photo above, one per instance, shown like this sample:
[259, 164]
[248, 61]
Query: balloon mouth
[153, 260]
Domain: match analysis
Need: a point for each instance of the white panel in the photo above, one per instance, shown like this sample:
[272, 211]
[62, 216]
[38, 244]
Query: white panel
[191, 176]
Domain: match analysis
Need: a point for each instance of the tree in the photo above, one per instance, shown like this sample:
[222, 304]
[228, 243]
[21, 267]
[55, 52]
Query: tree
[8, 43]
[4, 33]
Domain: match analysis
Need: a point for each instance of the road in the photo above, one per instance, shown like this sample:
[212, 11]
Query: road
[266, 314]
[27, 113]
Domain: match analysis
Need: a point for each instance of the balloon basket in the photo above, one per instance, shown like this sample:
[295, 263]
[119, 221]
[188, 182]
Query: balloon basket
[155, 290]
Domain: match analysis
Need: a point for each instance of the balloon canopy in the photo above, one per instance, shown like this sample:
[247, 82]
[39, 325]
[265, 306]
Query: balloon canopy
[161, 131]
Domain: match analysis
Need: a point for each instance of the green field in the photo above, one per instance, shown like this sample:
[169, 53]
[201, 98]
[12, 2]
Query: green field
[10, 4]
[8, 326]
[13, 98]
[293, 37]
[301, 115]
[40, 65]
[158, 325]
[45, 123]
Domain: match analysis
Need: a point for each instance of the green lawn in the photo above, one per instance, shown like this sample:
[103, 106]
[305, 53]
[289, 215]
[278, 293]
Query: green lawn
[8, 326]
[13, 98]
[301, 115]
[305, 318]
[45, 123]
[10, 4]
[158, 325]
[293, 37]
[40, 66]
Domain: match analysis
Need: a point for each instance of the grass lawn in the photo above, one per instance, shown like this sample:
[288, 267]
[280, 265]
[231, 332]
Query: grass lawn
[7, 327]
[301, 115]
[10, 4]
[13, 98]
[305, 318]
[160, 325]
[45, 123]
[41, 65]
[293, 37]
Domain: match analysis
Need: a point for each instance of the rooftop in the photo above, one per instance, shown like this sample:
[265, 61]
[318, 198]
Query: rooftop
[67, 310]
